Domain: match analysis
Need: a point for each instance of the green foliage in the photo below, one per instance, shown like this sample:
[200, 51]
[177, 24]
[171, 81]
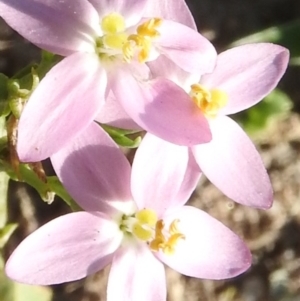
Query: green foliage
[123, 137]
[11, 291]
[257, 119]
[287, 35]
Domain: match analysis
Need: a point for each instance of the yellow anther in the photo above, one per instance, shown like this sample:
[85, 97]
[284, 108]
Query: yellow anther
[141, 42]
[160, 241]
[173, 229]
[113, 23]
[149, 28]
[147, 216]
[156, 244]
[209, 101]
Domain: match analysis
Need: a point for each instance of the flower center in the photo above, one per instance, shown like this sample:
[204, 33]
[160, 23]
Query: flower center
[117, 42]
[145, 226]
[208, 101]
[142, 41]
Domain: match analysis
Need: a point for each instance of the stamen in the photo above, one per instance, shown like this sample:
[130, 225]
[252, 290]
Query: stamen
[142, 41]
[160, 241]
[145, 226]
[149, 28]
[209, 101]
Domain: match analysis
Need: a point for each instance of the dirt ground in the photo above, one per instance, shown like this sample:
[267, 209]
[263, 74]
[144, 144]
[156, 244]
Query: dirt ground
[273, 235]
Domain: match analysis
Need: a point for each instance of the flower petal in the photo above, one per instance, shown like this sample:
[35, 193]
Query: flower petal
[136, 275]
[61, 27]
[231, 162]
[93, 169]
[190, 181]
[247, 74]
[175, 10]
[67, 248]
[131, 10]
[112, 113]
[162, 108]
[158, 170]
[164, 67]
[186, 47]
[210, 250]
[63, 104]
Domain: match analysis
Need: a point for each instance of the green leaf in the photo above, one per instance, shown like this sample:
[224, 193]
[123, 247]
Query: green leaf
[4, 178]
[24, 292]
[124, 141]
[5, 233]
[57, 187]
[13, 291]
[120, 136]
[4, 106]
[31, 178]
[257, 119]
[287, 35]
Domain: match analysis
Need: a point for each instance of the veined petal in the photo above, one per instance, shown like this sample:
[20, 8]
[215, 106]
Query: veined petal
[209, 250]
[63, 104]
[190, 181]
[93, 169]
[247, 74]
[175, 10]
[164, 67]
[158, 171]
[61, 27]
[231, 162]
[67, 248]
[162, 108]
[131, 10]
[136, 275]
[186, 47]
[112, 113]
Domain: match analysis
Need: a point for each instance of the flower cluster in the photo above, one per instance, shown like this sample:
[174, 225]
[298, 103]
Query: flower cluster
[138, 64]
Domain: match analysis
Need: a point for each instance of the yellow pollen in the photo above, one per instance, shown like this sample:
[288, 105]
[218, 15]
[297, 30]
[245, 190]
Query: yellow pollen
[142, 41]
[167, 245]
[149, 28]
[113, 23]
[209, 101]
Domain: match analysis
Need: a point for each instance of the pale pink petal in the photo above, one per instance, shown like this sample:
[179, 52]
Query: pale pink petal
[63, 104]
[162, 108]
[136, 275]
[112, 113]
[209, 251]
[61, 27]
[186, 47]
[131, 10]
[158, 171]
[67, 248]
[93, 169]
[247, 74]
[231, 162]
[175, 10]
[164, 67]
[190, 181]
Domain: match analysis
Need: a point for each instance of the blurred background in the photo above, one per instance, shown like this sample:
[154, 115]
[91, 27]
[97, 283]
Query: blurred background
[274, 125]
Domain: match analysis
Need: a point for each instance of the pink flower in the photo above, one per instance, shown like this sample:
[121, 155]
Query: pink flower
[106, 44]
[135, 219]
[241, 78]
